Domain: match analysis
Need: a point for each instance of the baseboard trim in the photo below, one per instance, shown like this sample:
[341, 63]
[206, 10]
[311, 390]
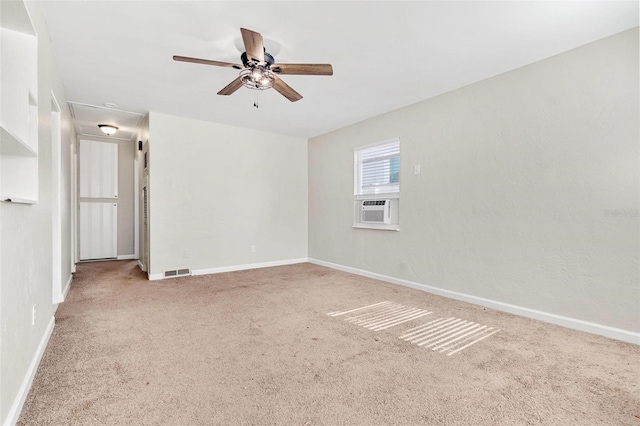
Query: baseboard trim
[141, 266]
[235, 268]
[66, 288]
[16, 407]
[248, 266]
[126, 257]
[575, 324]
[63, 294]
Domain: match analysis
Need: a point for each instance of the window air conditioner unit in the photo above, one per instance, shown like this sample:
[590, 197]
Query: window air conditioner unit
[376, 211]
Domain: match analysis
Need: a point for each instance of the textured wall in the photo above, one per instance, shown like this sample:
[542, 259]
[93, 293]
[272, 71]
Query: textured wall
[528, 193]
[143, 136]
[126, 197]
[26, 269]
[216, 190]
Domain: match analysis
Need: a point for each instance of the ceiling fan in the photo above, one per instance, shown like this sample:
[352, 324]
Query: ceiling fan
[259, 70]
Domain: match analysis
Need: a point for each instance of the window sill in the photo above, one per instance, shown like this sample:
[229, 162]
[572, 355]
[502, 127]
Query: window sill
[379, 227]
[389, 195]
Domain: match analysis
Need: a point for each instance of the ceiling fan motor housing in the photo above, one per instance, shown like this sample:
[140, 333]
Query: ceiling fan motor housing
[250, 63]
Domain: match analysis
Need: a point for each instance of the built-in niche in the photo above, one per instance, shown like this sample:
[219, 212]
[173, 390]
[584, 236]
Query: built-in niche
[18, 105]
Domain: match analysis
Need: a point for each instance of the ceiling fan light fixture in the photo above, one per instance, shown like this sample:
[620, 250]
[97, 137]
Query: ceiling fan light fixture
[257, 78]
[259, 68]
[108, 129]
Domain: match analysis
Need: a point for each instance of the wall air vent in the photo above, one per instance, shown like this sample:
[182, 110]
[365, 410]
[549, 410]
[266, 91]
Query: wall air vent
[376, 211]
[177, 273]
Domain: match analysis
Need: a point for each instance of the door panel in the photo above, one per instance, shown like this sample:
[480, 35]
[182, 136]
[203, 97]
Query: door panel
[98, 169]
[98, 230]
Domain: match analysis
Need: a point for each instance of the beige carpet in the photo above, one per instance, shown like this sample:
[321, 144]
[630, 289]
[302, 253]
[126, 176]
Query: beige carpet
[257, 347]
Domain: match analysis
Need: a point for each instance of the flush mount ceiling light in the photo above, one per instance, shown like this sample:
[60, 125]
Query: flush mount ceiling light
[108, 129]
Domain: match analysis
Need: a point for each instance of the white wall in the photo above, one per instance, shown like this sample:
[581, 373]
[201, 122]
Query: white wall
[26, 268]
[126, 197]
[143, 136]
[523, 196]
[216, 190]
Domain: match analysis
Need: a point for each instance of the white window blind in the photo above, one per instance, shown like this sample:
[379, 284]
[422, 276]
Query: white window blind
[377, 168]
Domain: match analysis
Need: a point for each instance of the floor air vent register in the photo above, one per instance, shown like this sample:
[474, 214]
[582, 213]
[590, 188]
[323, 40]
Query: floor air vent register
[177, 273]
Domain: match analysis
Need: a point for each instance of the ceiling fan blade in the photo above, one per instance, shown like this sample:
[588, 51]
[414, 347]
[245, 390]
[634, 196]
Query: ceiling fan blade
[302, 69]
[285, 90]
[253, 44]
[232, 87]
[206, 62]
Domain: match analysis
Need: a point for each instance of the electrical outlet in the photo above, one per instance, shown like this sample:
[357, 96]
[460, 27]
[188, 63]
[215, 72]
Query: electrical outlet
[416, 169]
[33, 315]
[253, 249]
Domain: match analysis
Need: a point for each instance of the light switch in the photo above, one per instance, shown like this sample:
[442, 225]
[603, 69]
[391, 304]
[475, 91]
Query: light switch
[416, 169]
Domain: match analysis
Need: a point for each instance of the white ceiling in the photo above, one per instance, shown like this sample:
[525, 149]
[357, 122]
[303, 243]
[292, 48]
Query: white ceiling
[87, 117]
[385, 55]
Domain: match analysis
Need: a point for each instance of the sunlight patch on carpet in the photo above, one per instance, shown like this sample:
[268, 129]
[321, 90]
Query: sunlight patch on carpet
[381, 316]
[448, 335]
[444, 335]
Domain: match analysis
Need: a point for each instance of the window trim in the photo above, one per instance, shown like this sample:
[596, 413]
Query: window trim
[381, 196]
[356, 168]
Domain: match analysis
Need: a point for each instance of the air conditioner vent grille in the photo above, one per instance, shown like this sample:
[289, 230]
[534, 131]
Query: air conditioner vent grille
[374, 202]
[376, 211]
[373, 216]
[177, 273]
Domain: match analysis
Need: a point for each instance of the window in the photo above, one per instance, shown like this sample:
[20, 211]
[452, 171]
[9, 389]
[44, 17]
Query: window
[377, 185]
[377, 168]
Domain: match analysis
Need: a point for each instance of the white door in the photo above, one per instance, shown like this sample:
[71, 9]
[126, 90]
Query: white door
[98, 200]
[98, 169]
[98, 230]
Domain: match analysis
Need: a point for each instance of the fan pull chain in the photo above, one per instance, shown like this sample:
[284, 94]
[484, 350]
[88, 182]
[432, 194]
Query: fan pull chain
[255, 99]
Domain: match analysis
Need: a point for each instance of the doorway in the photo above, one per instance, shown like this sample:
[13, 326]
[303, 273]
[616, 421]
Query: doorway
[98, 203]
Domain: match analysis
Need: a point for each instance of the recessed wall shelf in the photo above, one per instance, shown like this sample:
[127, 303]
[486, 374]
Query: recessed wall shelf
[17, 200]
[18, 105]
[11, 144]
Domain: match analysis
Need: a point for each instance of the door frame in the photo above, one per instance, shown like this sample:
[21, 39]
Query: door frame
[56, 204]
